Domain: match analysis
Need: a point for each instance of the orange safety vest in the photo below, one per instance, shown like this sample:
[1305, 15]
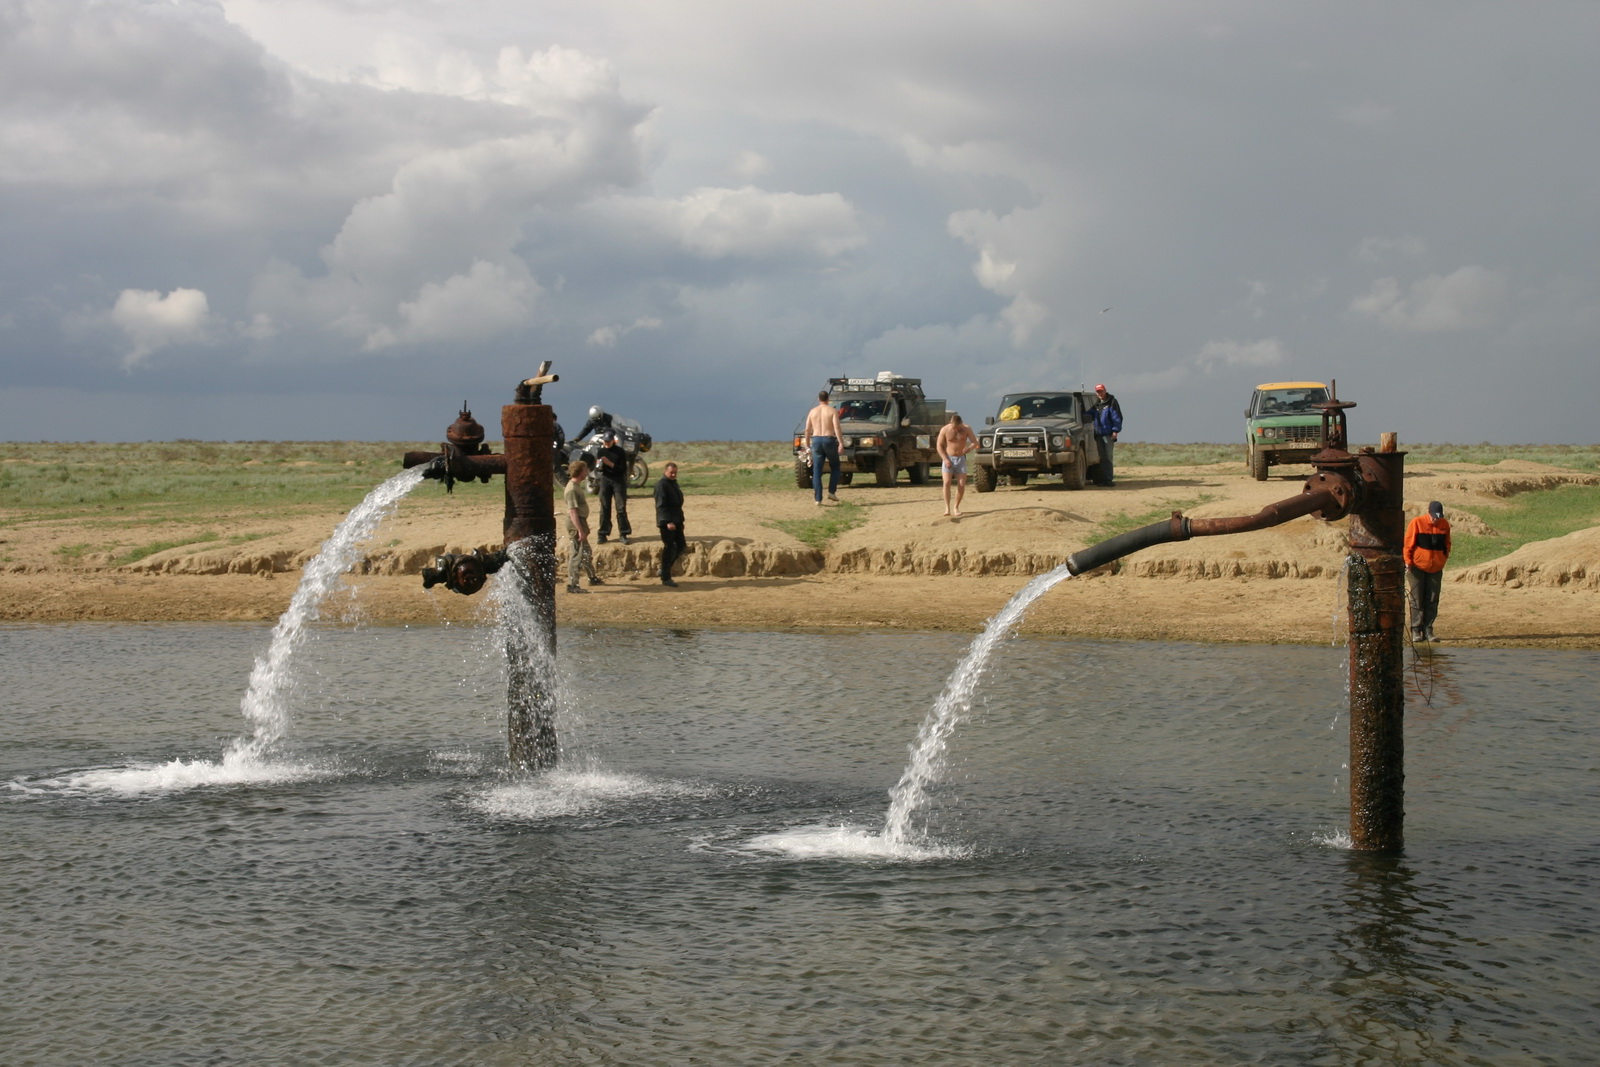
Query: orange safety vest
[1427, 543]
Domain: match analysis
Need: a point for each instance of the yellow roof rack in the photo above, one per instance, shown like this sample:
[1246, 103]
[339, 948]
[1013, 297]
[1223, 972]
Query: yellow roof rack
[1292, 385]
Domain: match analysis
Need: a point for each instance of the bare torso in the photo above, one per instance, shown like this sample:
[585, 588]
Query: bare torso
[822, 421]
[956, 440]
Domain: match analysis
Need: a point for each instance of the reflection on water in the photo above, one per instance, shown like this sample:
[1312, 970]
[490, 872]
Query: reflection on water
[1120, 863]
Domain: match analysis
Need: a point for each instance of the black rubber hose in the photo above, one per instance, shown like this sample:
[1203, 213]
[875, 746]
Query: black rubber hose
[1114, 548]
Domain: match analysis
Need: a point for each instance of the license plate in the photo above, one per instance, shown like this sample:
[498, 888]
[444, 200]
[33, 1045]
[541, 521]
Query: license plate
[1017, 453]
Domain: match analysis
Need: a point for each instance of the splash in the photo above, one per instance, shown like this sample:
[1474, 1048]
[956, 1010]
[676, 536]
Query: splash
[897, 842]
[952, 707]
[567, 792]
[266, 702]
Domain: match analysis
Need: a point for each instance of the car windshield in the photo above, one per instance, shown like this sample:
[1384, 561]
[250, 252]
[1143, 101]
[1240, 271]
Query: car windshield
[865, 409]
[1292, 401]
[1037, 406]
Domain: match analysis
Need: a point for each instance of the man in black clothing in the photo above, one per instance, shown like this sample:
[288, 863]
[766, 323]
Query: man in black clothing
[597, 420]
[669, 520]
[613, 465]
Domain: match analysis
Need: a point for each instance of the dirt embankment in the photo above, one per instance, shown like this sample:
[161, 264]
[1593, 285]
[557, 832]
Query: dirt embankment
[906, 566]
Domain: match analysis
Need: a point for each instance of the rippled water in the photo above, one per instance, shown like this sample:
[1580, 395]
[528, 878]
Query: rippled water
[1128, 857]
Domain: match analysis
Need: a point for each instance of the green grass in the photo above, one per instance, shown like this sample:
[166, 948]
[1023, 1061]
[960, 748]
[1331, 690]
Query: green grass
[60, 480]
[111, 486]
[819, 531]
[1122, 522]
[133, 555]
[1530, 517]
[1575, 457]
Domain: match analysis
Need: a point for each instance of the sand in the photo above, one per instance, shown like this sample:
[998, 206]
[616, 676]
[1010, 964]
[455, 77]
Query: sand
[907, 567]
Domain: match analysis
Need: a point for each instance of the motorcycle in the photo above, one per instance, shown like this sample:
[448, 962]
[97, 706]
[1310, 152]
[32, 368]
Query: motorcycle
[634, 441]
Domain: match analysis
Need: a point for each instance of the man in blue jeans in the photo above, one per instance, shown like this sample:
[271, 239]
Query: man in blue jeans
[822, 438]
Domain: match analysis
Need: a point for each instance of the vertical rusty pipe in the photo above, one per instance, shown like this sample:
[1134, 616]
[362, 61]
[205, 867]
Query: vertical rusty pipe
[1377, 694]
[530, 538]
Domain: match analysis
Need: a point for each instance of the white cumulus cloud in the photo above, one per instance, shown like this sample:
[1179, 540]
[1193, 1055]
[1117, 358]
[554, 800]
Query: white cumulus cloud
[488, 300]
[1470, 298]
[153, 321]
[608, 336]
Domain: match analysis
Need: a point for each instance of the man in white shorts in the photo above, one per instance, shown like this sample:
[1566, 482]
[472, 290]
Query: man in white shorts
[956, 439]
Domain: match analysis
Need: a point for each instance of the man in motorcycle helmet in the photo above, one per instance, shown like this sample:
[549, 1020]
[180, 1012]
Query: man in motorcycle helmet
[598, 420]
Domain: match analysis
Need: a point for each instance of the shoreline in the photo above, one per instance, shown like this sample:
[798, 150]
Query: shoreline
[903, 566]
[1088, 607]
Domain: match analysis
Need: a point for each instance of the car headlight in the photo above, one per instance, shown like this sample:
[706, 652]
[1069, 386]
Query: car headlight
[867, 442]
[1058, 441]
[1269, 433]
[985, 442]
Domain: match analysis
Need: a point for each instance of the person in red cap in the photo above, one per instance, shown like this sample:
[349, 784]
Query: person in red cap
[1426, 549]
[1107, 424]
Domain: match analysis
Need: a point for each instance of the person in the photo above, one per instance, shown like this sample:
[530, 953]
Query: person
[614, 488]
[1427, 547]
[579, 555]
[669, 520]
[598, 420]
[956, 440]
[1107, 425]
[822, 438]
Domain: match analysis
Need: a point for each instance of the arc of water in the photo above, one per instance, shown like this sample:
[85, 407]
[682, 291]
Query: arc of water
[265, 704]
[952, 707]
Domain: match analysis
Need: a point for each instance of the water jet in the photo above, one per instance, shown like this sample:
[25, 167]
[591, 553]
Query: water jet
[528, 427]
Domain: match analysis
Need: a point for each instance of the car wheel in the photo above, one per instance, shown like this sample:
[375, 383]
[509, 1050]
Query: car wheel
[1073, 476]
[888, 467]
[802, 474]
[983, 478]
[1258, 464]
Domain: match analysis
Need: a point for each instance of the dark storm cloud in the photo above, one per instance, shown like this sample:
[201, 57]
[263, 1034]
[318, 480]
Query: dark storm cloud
[299, 199]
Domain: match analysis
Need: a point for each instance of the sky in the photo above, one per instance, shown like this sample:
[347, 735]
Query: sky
[341, 219]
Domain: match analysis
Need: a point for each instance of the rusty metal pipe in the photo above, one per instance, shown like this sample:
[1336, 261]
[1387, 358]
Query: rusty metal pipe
[1179, 528]
[1272, 515]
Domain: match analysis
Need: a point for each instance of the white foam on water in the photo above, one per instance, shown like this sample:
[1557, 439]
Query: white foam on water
[848, 843]
[266, 703]
[174, 776]
[562, 792]
[951, 709]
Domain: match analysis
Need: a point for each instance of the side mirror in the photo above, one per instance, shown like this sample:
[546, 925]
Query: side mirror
[988, 420]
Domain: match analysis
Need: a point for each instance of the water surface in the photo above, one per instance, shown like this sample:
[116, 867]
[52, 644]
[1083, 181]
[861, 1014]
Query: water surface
[1130, 856]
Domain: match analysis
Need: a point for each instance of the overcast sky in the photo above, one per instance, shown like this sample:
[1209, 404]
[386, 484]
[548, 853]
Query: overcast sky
[338, 219]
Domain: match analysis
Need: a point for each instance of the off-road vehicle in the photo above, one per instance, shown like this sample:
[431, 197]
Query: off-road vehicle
[1283, 425]
[1037, 432]
[888, 425]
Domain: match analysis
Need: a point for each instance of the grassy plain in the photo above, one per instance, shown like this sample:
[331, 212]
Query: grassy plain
[111, 488]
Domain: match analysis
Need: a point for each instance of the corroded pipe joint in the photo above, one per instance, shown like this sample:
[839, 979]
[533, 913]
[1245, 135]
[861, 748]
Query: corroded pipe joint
[463, 573]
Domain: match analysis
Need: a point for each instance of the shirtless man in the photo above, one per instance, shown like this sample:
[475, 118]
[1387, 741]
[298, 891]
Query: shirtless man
[956, 439]
[822, 438]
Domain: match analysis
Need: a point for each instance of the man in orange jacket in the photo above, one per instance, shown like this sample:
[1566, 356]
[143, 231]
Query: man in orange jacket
[1427, 548]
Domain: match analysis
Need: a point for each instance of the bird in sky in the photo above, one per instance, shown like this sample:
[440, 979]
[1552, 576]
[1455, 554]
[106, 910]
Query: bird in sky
[1104, 310]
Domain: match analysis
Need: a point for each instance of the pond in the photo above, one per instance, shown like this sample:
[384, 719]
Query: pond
[1130, 854]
